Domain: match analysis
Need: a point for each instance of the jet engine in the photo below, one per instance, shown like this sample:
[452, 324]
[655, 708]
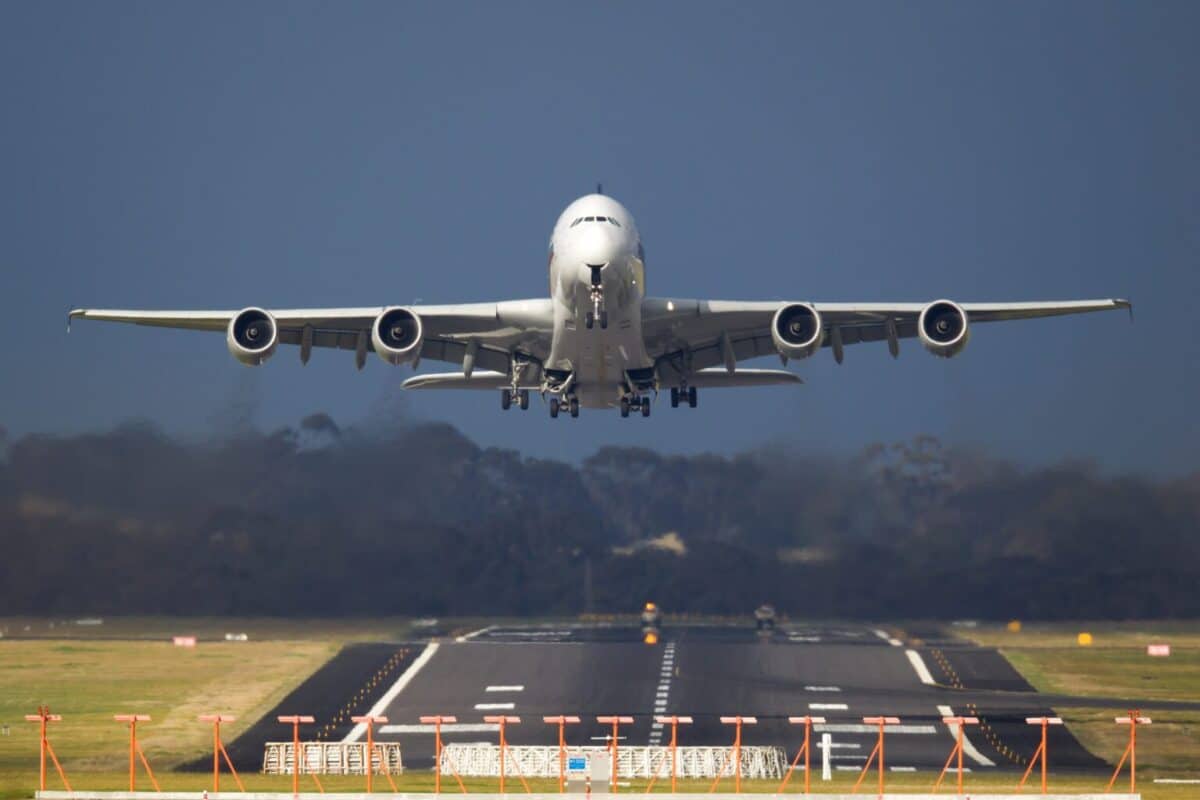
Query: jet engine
[797, 331]
[252, 336]
[397, 335]
[943, 328]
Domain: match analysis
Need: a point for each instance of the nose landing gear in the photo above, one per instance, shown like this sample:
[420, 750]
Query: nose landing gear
[596, 294]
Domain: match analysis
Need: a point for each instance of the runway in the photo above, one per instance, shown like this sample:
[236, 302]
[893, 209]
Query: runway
[841, 672]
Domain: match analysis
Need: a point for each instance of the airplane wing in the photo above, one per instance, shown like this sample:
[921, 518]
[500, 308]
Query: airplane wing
[686, 336]
[492, 332]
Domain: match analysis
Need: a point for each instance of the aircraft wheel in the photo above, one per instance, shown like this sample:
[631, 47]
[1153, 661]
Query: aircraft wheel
[554, 408]
[674, 397]
[624, 406]
[523, 399]
[604, 320]
[645, 406]
[692, 396]
[574, 406]
[590, 320]
[505, 399]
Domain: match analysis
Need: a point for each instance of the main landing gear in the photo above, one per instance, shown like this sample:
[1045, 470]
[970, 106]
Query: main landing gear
[520, 395]
[571, 405]
[634, 404]
[687, 395]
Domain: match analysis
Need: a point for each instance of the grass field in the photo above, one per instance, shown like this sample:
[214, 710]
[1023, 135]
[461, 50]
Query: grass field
[126, 665]
[1114, 665]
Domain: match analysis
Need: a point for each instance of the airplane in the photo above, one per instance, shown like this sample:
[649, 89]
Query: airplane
[598, 341]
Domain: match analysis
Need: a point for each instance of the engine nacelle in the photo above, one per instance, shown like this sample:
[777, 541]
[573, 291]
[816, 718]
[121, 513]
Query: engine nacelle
[943, 328]
[797, 330]
[252, 336]
[396, 335]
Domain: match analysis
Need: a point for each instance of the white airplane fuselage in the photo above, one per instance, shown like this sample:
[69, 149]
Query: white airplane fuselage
[597, 276]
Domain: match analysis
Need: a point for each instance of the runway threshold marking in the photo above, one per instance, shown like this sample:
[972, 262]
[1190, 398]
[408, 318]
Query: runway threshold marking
[969, 749]
[918, 664]
[405, 678]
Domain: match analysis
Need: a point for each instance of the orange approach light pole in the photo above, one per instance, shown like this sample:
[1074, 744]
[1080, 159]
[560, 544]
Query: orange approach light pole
[502, 721]
[674, 722]
[369, 721]
[562, 722]
[616, 723]
[1133, 720]
[877, 753]
[219, 750]
[436, 722]
[1040, 753]
[296, 720]
[735, 752]
[805, 750]
[42, 717]
[136, 750]
[957, 751]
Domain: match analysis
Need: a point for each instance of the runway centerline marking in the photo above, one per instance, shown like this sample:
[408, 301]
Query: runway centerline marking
[822, 688]
[495, 706]
[661, 692]
[397, 687]
[505, 689]
[968, 748]
[828, 706]
[918, 664]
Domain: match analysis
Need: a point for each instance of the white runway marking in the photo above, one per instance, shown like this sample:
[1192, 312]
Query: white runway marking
[449, 727]
[828, 706]
[822, 688]
[469, 636]
[890, 640]
[495, 706]
[903, 769]
[918, 664]
[662, 691]
[505, 689]
[851, 727]
[397, 687]
[968, 748]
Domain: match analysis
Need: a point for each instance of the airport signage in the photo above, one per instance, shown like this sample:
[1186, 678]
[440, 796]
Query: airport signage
[1160, 650]
[184, 641]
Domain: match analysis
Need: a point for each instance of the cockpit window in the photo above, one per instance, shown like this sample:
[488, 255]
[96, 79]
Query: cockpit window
[577, 221]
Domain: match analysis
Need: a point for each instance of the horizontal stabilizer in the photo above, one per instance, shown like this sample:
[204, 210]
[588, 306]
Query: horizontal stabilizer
[719, 378]
[480, 379]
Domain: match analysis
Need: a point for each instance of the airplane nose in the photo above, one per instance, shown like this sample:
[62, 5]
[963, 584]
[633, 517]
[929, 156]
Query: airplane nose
[597, 246]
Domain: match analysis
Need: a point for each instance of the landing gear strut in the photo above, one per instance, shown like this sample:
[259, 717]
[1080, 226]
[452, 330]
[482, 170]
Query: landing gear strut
[596, 294]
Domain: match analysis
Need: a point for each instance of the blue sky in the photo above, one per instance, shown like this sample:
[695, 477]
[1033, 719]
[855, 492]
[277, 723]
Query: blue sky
[222, 155]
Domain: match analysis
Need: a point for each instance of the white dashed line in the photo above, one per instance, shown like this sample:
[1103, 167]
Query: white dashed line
[850, 727]
[469, 636]
[505, 689]
[828, 706]
[447, 727]
[495, 706]
[903, 769]
[822, 688]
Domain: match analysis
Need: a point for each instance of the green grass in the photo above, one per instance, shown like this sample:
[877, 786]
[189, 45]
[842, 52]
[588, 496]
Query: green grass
[1115, 665]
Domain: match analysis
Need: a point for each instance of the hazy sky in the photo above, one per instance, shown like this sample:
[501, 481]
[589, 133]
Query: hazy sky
[225, 154]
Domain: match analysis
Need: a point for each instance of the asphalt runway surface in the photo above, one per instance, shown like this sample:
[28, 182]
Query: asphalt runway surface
[841, 672]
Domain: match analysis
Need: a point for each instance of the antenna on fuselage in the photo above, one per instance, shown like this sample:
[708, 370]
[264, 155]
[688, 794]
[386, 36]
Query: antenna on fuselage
[599, 188]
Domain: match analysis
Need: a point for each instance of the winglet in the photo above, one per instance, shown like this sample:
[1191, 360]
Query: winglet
[72, 314]
[1126, 304]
